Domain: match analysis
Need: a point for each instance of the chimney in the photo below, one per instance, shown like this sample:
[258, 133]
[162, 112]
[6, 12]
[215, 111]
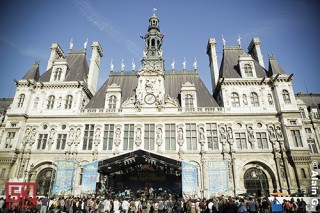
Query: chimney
[56, 52]
[255, 51]
[94, 68]
[213, 62]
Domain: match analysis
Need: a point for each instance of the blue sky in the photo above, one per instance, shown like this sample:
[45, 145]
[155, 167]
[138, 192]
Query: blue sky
[287, 28]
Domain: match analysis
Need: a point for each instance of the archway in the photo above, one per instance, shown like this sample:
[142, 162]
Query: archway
[45, 180]
[256, 182]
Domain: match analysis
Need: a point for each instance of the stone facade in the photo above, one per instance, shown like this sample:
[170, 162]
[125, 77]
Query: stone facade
[253, 121]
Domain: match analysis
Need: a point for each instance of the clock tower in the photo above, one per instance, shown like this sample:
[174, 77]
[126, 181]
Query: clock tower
[150, 91]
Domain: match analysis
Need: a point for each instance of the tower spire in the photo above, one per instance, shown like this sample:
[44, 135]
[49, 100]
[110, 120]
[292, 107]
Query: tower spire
[152, 54]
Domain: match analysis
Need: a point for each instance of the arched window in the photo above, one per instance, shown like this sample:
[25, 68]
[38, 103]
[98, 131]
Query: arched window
[256, 181]
[112, 102]
[57, 74]
[45, 180]
[286, 96]
[50, 102]
[235, 99]
[189, 101]
[254, 99]
[248, 70]
[21, 100]
[68, 102]
[302, 113]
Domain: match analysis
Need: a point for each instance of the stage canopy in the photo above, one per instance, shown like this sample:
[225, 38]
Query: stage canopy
[138, 160]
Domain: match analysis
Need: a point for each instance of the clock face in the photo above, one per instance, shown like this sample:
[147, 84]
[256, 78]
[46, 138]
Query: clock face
[149, 98]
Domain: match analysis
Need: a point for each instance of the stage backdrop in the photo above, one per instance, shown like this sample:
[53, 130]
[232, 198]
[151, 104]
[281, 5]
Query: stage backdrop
[64, 176]
[89, 178]
[190, 186]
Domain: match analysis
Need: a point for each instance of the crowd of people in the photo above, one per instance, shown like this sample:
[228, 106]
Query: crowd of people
[153, 204]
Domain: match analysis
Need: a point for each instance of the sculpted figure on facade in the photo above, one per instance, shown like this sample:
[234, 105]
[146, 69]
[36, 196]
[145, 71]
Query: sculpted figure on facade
[97, 137]
[251, 136]
[270, 100]
[245, 100]
[138, 140]
[223, 134]
[51, 138]
[26, 136]
[77, 137]
[271, 132]
[230, 134]
[279, 132]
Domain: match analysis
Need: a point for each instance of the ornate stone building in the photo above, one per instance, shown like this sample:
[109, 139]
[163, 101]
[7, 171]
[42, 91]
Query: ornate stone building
[266, 136]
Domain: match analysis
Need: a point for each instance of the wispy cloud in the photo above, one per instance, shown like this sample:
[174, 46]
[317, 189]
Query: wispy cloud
[24, 50]
[92, 16]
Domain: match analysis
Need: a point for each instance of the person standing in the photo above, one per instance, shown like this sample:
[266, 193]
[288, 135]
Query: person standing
[44, 204]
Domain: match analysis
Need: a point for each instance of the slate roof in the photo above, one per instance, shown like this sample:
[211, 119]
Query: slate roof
[309, 99]
[33, 72]
[128, 82]
[78, 68]
[230, 67]
[5, 103]
[274, 67]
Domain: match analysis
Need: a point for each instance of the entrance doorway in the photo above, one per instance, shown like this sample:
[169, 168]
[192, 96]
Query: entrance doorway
[256, 182]
[45, 181]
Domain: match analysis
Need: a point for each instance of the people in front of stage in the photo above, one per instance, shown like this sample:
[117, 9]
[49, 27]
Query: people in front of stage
[125, 205]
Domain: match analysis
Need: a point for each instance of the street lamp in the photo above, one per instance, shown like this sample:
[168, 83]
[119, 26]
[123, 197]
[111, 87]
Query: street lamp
[260, 175]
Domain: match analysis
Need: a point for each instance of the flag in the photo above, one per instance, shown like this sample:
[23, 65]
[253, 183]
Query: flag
[162, 36]
[142, 37]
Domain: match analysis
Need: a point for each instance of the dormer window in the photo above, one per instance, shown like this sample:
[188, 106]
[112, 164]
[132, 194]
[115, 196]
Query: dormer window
[254, 99]
[50, 103]
[21, 100]
[57, 74]
[286, 96]
[235, 101]
[246, 65]
[248, 70]
[189, 101]
[112, 102]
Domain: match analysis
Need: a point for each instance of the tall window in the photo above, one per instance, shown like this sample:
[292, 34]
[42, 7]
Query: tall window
[191, 136]
[128, 138]
[235, 99]
[262, 140]
[212, 135]
[108, 136]
[241, 140]
[302, 113]
[61, 141]
[286, 96]
[248, 70]
[149, 136]
[88, 137]
[9, 139]
[170, 137]
[189, 101]
[21, 100]
[50, 102]
[312, 146]
[57, 74]
[112, 102]
[68, 102]
[42, 141]
[296, 138]
[254, 99]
